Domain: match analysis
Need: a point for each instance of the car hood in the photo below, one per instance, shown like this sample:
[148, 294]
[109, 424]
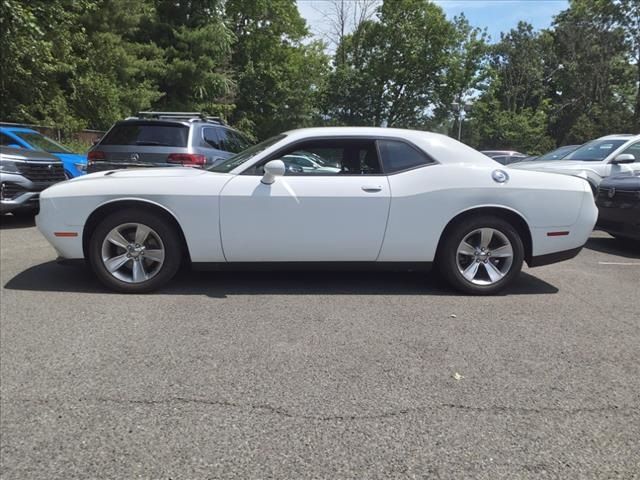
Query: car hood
[166, 172]
[553, 165]
[72, 157]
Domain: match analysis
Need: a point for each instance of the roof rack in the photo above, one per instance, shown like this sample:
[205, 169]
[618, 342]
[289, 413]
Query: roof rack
[191, 116]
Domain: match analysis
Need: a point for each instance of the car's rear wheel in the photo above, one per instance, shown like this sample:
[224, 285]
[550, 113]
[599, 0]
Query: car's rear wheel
[135, 251]
[481, 255]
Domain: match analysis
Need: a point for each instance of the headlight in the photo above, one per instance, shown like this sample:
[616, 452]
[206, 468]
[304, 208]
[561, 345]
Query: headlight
[8, 166]
[81, 166]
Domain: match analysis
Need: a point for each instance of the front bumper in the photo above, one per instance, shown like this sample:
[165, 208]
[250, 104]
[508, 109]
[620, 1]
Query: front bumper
[621, 222]
[18, 193]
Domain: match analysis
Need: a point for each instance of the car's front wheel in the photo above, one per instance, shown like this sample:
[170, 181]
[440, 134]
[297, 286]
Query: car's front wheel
[135, 251]
[481, 255]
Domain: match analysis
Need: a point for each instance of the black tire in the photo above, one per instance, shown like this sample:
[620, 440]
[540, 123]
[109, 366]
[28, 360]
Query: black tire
[447, 257]
[164, 230]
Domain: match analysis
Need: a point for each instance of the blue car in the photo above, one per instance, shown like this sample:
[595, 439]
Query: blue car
[22, 137]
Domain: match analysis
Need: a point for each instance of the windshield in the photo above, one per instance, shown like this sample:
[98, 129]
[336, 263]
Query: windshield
[42, 143]
[558, 153]
[595, 151]
[237, 160]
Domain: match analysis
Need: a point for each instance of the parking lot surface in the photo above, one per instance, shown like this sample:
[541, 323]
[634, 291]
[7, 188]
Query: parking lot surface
[319, 375]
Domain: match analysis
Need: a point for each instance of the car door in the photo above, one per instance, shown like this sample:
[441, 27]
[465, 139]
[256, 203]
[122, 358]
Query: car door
[336, 214]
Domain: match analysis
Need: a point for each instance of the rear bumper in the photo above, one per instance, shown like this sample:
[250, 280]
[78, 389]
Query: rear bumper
[540, 260]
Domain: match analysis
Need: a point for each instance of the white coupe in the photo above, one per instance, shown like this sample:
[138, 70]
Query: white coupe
[396, 198]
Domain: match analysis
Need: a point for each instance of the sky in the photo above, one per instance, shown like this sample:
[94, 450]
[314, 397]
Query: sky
[494, 15]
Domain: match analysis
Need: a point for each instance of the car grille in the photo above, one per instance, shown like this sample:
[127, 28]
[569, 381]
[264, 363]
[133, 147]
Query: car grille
[42, 172]
[9, 191]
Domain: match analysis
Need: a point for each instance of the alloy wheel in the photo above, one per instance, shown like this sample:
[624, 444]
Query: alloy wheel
[133, 252]
[484, 256]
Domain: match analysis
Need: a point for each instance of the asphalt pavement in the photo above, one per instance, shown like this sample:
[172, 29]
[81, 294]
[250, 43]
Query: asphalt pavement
[319, 375]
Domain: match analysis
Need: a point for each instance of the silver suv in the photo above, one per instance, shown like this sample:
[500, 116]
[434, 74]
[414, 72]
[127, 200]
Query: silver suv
[165, 139]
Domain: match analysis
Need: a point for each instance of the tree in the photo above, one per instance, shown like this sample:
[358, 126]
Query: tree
[466, 72]
[629, 19]
[277, 74]
[115, 76]
[37, 40]
[196, 49]
[394, 67]
[513, 111]
[593, 93]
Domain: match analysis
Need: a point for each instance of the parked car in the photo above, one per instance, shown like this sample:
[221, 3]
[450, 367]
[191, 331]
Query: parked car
[505, 157]
[618, 204]
[166, 139]
[557, 154]
[22, 137]
[23, 175]
[595, 160]
[402, 198]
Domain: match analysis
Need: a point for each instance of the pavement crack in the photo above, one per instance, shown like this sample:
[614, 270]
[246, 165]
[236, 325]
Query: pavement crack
[283, 412]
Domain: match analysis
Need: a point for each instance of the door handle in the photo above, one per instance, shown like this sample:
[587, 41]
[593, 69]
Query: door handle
[372, 188]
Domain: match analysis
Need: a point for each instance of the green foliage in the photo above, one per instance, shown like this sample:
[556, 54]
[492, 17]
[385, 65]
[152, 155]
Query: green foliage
[393, 66]
[87, 63]
[277, 74]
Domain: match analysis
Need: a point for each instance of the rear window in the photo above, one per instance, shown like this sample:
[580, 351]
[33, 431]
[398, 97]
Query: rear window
[398, 156]
[147, 134]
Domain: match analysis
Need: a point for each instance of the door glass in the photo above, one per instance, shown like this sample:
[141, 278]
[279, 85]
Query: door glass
[211, 138]
[231, 141]
[6, 140]
[331, 157]
[633, 150]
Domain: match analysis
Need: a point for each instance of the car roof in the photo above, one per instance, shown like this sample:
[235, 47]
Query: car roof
[442, 148]
[621, 136]
[11, 128]
[177, 122]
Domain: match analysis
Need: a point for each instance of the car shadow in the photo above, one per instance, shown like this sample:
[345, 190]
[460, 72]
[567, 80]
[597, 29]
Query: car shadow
[8, 222]
[615, 246]
[52, 277]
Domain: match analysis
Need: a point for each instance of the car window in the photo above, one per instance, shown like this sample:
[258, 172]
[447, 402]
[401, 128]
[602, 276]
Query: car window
[633, 150]
[210, 137]
[42, 143]
[595, 151]
[398, 156]
[231, 141]
[6, 140]
[329, 157]
[147, 134]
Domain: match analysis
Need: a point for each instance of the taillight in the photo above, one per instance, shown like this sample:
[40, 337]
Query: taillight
[187, 159]
[96, 155]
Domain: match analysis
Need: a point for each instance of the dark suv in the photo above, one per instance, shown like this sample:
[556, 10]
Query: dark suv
[23, 175]
[165, 139]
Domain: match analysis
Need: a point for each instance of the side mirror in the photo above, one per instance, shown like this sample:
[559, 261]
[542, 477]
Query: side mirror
[273, 169]
[623, 158]
[96, 141]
